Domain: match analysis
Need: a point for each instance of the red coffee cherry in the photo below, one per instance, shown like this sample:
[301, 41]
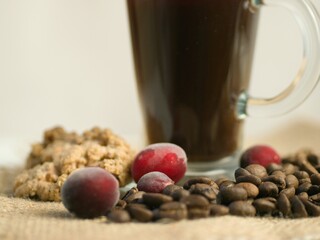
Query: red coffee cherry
[167, 158]
[259, 154]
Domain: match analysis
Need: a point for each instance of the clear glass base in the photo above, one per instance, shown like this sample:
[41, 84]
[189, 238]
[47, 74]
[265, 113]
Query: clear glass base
[224, 167]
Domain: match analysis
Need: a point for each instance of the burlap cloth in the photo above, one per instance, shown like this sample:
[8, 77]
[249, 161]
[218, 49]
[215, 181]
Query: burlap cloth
[31, 220]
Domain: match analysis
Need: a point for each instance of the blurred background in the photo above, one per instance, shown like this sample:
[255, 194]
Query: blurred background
[69, 63]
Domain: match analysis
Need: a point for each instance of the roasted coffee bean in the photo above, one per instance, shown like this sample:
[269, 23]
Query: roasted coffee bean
[119, 216]
[313, 159]
[242, 208]
[241, 172]
[293, 158]
[205, 180]
[284, 205]
[195, 201]
[289, 192]
[306, 166]
[226, 184]
[301, 156]
[312, 209]
[315, 179]
[252, 190]
[134, 197]
[315, 198]
[303, 195]
[139, 212]
[250, 178]
[168, 190]
[250, 200]
[309, 168]
[265, 206]
[273, 167]
[304, 180]
[129, 193]
[172, 210]
[218, 210]
[140, 205]
[303, 187]
[292, 181]
[232, 194]
[257, 170]
[179, 193]
[221, 180]
[203, 189]
[195, 213]
[218, 199]
[314, 189]
[121, 204]
[271, 199]
[268, 189]
[298, 208]
[289, 168]
[277, 180]
[301, 174]
[197, 205]
[289, 159]
[278, 173]
[154, 200]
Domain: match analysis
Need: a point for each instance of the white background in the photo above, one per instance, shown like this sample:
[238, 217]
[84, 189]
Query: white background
[69, 63]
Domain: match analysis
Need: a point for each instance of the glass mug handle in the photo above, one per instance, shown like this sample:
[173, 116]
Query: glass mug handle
[305, 81]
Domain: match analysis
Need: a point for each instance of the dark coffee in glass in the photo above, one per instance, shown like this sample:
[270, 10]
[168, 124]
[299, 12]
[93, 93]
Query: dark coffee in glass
[192, 60]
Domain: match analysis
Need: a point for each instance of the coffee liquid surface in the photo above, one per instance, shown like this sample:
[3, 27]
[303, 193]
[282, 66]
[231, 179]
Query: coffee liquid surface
[192, 59]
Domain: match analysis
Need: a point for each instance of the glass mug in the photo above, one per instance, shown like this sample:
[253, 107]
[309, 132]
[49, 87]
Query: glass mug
[193, 60]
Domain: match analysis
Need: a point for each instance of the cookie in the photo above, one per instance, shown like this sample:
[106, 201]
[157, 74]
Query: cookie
[51, 161]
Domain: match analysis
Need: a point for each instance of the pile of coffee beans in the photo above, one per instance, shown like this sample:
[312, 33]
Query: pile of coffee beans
[288, 190]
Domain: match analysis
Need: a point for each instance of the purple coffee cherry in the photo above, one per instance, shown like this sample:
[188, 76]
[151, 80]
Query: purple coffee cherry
[90, 192]
[154, 182]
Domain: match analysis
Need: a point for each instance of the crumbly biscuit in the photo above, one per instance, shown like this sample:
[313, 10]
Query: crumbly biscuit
[60, 153]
